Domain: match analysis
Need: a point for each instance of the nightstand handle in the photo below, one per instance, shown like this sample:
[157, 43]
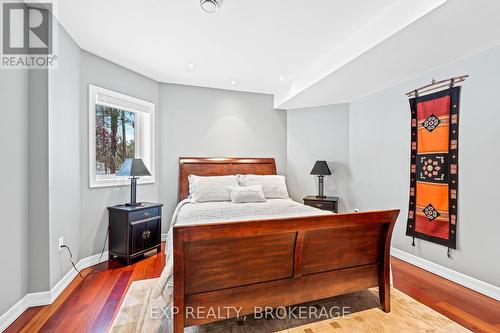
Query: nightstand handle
[146, 234]
[146, 214]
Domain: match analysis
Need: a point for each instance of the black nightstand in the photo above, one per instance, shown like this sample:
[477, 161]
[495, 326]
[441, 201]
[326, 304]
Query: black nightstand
[134, 231]
[327, 203]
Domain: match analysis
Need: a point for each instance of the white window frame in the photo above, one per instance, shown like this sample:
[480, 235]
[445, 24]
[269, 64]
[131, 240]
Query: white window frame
[144, 134]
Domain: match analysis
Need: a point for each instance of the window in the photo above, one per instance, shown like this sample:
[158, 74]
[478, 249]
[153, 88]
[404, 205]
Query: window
[120, 127]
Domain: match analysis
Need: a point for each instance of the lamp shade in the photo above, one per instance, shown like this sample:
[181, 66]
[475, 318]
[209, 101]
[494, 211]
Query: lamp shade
[321, 168]
[133, 167]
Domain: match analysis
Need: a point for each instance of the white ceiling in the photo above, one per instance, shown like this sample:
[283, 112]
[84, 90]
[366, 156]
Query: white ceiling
[255, 42]
[457, 29]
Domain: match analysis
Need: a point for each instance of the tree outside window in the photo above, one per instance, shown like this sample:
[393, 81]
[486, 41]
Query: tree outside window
[115, 138]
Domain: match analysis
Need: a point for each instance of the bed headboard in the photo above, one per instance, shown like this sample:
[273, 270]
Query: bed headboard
[214, 166]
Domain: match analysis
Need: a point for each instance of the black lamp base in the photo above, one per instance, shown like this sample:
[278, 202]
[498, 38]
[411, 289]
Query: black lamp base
[320, 187]
[133, 193]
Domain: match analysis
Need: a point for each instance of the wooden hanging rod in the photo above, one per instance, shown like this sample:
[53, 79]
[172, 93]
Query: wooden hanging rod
[436, 85]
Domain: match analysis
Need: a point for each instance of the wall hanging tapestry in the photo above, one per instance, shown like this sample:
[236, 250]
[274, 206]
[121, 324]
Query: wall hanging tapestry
[434, 167]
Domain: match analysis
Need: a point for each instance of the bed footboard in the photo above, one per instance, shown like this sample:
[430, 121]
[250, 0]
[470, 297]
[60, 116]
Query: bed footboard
[231, 268]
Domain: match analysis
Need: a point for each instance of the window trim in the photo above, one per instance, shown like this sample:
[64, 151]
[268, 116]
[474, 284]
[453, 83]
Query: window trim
[144, 150]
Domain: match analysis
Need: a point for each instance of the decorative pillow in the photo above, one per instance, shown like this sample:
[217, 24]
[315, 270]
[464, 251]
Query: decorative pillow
[210, 188]
[273, 186]
[241, 194]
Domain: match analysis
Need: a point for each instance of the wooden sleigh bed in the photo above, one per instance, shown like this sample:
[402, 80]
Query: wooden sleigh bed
[274, 262]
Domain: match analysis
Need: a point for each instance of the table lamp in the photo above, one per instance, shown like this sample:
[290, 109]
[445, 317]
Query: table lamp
[321, 170]
[133, 168]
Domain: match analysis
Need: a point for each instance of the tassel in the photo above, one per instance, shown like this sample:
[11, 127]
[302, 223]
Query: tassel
[449, 255]
[413, 242]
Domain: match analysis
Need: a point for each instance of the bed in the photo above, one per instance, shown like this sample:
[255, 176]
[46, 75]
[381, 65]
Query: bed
[275, 254]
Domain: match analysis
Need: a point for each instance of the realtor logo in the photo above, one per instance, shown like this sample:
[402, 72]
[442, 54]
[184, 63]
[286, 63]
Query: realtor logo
[27, 35]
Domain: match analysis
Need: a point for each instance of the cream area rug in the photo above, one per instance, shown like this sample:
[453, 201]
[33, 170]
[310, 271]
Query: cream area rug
[362, 313]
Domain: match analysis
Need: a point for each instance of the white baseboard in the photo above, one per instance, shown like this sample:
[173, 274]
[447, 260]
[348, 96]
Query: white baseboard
[46, 297]
[163, 237]
[462, 279]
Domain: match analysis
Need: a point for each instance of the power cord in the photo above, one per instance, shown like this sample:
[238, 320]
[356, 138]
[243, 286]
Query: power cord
[71, 260]
[98, 261]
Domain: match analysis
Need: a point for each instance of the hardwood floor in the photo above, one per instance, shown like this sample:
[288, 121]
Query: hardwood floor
[470, 309]
[89, 305]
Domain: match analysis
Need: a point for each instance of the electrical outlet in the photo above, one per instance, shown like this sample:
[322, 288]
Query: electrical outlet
[61, 243]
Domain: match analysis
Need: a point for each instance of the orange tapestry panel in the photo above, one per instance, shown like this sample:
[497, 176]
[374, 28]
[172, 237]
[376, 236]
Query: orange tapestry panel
[432, 212]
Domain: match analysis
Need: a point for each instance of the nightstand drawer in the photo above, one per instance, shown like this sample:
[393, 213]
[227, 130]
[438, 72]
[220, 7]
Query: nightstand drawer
[144, 214]
[324, 203]
[320, 205]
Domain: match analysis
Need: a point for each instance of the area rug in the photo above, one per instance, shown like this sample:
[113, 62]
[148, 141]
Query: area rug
[433, 204]
[363, 314]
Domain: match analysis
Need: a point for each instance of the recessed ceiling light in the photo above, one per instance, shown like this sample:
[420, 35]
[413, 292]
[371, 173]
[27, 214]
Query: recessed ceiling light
[282, 78]
[210, 6]
[191, 66]
[233, 82]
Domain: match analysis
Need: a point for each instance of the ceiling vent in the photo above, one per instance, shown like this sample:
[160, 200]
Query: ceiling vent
[210, 6]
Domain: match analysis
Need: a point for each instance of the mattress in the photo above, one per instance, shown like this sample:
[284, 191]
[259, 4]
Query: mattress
[188, 213]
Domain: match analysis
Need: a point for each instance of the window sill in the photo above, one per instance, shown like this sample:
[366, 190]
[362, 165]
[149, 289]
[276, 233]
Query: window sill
[98, 183]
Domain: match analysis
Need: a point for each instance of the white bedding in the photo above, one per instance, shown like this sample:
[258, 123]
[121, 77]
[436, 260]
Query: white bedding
[210, 212]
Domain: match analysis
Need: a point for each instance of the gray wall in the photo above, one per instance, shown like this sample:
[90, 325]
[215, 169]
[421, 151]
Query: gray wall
[38, 180]
[379, 150]
[211, 122]
[93, 214]
[318, 133]
[14, 186]
[64, 156]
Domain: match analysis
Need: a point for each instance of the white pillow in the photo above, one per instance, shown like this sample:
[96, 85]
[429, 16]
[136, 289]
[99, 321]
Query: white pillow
[241, 194]
[210, 188]
[274, 186]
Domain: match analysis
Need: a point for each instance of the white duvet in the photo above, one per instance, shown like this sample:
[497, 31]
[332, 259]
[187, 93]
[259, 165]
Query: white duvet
[210, 212]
